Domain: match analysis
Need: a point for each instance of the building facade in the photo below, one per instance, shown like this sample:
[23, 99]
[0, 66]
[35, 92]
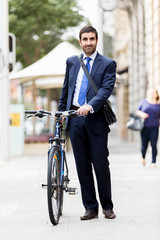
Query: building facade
[137, 51]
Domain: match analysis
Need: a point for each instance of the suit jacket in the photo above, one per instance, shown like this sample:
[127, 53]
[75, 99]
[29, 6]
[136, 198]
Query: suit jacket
[103, 73]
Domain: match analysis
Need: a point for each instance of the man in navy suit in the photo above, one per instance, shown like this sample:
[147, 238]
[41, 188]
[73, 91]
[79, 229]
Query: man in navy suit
[89, 134]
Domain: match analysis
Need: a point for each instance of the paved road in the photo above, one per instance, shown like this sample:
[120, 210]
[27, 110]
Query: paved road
[136, 196]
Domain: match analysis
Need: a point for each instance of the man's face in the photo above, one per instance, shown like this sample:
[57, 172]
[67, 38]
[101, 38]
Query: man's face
[88, 43]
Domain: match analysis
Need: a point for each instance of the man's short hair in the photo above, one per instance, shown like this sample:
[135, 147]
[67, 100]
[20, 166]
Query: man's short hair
[88, 29]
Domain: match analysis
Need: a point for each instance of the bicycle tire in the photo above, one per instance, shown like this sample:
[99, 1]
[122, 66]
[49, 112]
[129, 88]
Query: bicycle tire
[62, 195]
[54, 191]
[63, 183]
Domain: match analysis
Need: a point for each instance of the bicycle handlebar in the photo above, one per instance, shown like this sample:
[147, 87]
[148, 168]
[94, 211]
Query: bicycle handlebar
[58, 114]
[70, 113]
[40, 113]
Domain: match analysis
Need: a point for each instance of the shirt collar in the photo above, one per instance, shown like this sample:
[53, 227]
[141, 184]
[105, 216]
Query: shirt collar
[93, 56]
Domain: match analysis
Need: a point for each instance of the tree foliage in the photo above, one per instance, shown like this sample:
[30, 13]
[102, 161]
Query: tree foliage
[39, 24]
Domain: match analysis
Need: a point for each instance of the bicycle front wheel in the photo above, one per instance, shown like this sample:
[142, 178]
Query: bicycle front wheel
[54, 191]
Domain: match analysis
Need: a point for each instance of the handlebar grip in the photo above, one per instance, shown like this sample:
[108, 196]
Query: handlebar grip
[30, 111]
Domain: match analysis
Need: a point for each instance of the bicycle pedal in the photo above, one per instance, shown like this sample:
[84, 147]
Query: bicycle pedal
[72, 191]
[44, 185]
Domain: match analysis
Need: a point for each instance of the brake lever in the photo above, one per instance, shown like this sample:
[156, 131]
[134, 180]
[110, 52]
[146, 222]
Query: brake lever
[29, 116]
[36, 115]
[74, 114]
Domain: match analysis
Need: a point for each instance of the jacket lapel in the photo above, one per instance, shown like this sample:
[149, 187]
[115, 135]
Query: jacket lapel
[76, 70]
[95, 66]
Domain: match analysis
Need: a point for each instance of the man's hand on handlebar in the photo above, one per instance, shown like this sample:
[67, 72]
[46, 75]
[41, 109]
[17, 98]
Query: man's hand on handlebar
[85, 109]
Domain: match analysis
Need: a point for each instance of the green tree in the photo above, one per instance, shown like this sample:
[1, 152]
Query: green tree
[39, 24]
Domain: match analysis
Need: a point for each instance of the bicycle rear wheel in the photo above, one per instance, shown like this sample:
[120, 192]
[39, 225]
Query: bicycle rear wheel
[54, 190]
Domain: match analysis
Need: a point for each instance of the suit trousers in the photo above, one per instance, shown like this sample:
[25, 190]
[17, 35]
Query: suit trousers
[91, 152]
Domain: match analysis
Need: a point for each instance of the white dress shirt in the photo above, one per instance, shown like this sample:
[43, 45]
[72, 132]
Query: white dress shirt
[79, 79]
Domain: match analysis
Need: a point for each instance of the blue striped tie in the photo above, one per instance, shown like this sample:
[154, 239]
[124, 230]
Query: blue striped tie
[84, 84]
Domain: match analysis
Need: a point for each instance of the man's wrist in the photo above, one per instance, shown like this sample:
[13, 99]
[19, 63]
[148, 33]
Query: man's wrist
[92, 110]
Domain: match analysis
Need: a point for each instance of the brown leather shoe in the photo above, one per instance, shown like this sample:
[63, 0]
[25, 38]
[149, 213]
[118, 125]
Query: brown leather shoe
[89, 214]
[109, 214]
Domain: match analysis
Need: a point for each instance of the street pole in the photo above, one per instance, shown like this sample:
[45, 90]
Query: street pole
[100, 27]
[4, 82]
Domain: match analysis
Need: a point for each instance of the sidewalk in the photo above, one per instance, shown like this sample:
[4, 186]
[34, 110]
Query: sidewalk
[135, 190]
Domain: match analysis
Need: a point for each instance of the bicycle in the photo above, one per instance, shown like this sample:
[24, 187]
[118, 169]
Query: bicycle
[57, 172]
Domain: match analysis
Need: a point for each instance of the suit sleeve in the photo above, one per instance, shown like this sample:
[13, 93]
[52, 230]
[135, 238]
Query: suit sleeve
[64, 93]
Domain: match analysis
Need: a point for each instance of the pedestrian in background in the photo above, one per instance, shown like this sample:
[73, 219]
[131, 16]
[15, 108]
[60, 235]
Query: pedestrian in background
[149, 110]
[89, 134]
